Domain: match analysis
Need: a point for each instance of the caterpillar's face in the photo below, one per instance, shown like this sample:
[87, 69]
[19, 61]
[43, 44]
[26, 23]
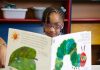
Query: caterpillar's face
[83, 59]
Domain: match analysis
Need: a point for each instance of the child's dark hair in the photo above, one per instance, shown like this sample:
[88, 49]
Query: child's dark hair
[48, 11]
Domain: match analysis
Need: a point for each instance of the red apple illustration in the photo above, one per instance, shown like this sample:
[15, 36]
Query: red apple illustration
[83, 59]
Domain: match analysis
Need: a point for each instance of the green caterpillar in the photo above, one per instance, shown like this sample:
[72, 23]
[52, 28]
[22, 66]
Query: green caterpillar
[23, 58]
[67, 47]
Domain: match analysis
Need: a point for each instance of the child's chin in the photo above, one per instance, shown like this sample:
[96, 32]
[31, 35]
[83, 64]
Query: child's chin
[51, 35]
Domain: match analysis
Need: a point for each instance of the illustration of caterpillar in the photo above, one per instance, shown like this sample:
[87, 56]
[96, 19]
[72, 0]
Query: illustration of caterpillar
[23, 58]
[68, 47]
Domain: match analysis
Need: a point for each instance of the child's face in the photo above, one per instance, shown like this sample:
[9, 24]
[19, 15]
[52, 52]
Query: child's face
[54, 27]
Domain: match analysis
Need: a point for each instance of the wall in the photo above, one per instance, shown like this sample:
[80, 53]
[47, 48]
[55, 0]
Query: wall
[87, 11]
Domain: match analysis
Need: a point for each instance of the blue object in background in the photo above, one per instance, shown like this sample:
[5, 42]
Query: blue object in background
[33, 27]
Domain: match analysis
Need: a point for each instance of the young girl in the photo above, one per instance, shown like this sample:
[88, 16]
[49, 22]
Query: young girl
[53, 20]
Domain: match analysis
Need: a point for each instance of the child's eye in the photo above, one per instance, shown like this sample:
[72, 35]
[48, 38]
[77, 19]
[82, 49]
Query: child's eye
[58, 26]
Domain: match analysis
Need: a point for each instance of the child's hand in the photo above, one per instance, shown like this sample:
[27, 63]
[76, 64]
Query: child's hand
[8, 68]
[2, 52]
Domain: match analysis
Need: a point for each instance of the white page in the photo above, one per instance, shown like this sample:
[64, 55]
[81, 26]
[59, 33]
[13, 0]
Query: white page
[81, 39]
[41, 43]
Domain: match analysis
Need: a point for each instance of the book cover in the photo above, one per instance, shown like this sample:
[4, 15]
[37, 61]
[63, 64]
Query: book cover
[32, 51]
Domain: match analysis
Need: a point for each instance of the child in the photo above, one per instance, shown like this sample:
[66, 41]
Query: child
[53, 20]
[2, 52]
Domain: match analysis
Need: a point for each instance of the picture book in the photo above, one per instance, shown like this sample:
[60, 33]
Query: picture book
[33, 51]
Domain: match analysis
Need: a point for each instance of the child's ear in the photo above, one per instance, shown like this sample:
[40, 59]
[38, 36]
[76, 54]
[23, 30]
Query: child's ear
[62, 26]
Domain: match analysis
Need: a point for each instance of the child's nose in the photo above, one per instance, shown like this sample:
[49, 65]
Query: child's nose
[52, 29]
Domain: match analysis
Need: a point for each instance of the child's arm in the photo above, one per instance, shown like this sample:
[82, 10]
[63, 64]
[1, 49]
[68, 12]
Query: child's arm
[2, 52]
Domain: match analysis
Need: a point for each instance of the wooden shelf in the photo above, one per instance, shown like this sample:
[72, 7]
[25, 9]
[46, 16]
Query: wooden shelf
[37, 20]
[19, 20]
[86, 20]
[22, 20]
[66, 20]
[29, 4]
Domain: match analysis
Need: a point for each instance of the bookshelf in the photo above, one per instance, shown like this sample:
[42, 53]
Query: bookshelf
[30, 16]
[86, 17]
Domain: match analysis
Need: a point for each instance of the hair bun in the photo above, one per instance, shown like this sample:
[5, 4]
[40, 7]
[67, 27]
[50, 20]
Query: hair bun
[62, 9]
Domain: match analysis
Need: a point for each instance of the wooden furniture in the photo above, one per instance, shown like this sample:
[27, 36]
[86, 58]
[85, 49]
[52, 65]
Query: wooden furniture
[34, 3]
[86, 17]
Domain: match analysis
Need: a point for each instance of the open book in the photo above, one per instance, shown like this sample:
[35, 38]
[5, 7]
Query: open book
[32, 51]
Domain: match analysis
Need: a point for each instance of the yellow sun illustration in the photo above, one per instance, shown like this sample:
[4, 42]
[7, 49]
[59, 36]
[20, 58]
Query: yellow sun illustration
[15, 36]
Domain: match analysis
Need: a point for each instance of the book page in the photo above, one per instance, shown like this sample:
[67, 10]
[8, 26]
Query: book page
[71, 51]
[28, 50]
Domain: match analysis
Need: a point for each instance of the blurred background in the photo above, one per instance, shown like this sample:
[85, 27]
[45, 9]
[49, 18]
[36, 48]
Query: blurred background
[86, 16]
